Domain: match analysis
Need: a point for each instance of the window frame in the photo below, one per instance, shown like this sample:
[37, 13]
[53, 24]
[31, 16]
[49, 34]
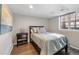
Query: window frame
[69, 29]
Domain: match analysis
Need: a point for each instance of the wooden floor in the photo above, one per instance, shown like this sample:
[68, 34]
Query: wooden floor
[28, 49]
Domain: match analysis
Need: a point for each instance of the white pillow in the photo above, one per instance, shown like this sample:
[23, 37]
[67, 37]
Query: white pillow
[31, 30]
[42, 30]
[35, 30]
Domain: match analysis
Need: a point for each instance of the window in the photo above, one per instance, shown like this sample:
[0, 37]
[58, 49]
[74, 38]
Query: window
[69, 21]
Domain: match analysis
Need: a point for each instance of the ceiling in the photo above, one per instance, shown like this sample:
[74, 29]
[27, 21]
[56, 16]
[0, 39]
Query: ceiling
[43, 10]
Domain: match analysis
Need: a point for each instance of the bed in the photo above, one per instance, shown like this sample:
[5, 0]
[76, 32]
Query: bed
[47, 43]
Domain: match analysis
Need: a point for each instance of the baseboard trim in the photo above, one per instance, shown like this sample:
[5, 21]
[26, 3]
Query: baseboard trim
[74, 47]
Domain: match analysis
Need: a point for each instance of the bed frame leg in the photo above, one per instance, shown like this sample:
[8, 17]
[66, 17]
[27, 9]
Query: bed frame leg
[66, 49]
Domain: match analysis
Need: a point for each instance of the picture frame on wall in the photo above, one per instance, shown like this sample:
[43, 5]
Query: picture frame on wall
[5, 20]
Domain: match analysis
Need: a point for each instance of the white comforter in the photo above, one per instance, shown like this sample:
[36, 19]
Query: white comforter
[49, 43]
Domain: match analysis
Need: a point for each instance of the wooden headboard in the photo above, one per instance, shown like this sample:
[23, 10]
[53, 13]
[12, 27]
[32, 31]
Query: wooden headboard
[30, 27]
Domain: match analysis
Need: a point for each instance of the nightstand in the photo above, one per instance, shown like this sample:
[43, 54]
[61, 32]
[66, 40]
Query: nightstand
[22, 38]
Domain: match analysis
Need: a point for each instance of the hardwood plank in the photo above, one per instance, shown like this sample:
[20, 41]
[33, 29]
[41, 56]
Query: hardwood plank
[26, 49]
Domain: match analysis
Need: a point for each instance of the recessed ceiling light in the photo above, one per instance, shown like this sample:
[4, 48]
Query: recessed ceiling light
[31, 6]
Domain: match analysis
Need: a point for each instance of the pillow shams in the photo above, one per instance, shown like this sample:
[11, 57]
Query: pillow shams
[42, 30]
[38, 30]
[35, 30]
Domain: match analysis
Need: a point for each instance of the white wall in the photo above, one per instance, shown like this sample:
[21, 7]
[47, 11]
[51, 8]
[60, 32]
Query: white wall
[73, 36]
[23, 22]
[6, 43]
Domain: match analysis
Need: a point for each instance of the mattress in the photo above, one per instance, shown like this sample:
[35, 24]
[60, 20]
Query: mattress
[49, 43]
